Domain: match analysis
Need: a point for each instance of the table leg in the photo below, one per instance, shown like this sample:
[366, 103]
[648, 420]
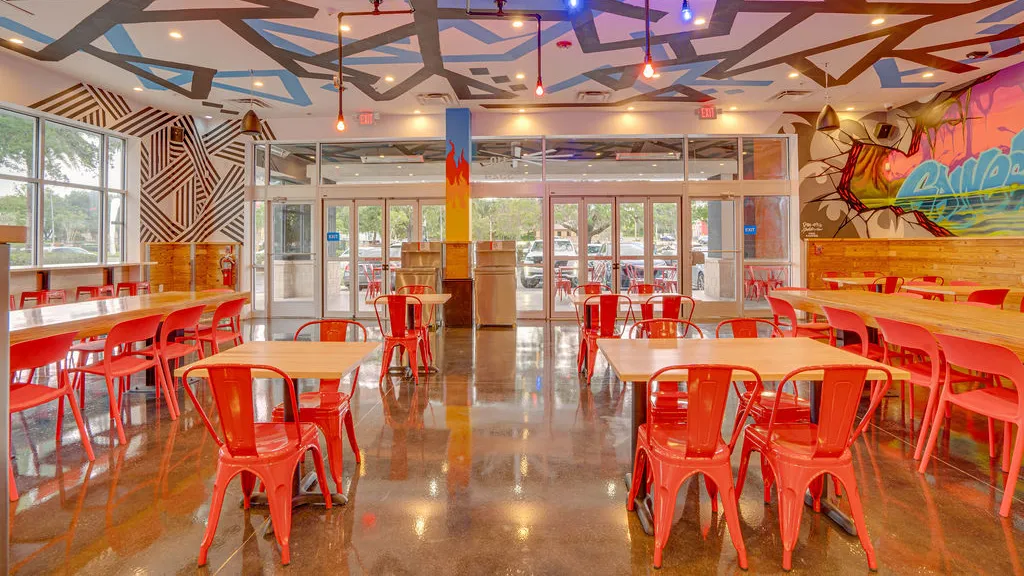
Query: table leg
[642, 505]
[828, 506]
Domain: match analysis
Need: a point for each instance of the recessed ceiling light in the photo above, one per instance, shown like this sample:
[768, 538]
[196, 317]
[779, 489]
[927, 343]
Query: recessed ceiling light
[137, 88]
[357, 174]
[794, 74]
[521, 110]
[389, 78]
[399, 167]
[656, 75]
[410, 173]
[415, 111]
[175, 34]
[927, 75]
[597, 153]
[517, 23]
[878, 21]
[732, 108]
[700, 22]
[590, 165]
[520, 76]
[346, 28]
[208, 117]
[381, 155]
[654, 165]
[16, 41]
[630, 108]
[257, 83]
[721, 163]
[849, 108]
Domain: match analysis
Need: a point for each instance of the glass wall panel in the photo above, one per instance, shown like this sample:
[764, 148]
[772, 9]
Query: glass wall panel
[259, 260]
[115, 163]
[259, 161]
[17, 144]
[712, 159]
[765, 247]
[382, 162]
[292, 164]
[432, 225]
[513, 160]
[714, 251]
[115, 226]
[765, 158]
[666, 246]
[517, 219]
[652, 159]
[71, 155]
[338, 261]
[71, 225]
[565, 222]
[16, 209]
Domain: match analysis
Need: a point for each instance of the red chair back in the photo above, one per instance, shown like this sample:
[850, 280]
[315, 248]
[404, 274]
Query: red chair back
[589, 289]
[233, 396]
[335, 330]
[910, 337]
[932, 279]
[831, 285]
[672, 306]
[640, 288]
[889, 284]
[748, 328]
[706, 395]
[416, 289]
[993, 296]
[40, 352]
[849, 322]
[987, 359]
[395, 308]
[184, 319]
[783, 309]
[126, 333]
[838, 401]
[664, 328]
[230, 311]
[608, 307]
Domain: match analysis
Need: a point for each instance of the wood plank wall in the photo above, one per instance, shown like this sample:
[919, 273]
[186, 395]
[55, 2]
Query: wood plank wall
[994, 261]
[174, 271]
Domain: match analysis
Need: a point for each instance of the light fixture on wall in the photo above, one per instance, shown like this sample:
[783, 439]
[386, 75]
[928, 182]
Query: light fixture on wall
[687, 13]
[648, 62]
[251, 122]
[828, 119]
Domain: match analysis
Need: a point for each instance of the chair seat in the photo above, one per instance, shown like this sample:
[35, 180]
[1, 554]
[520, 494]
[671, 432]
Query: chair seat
[669, 441]
[314, 401]
[25, 396]
[921, 373]
[90, 346]
[275, 440]
[795, 441]
[221, 334]
[120, 366]
[171, 350]
[994, 401]
[875, 352]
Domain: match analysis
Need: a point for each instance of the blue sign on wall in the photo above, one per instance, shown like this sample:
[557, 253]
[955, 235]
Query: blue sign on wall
[750, 230]
[334, 236]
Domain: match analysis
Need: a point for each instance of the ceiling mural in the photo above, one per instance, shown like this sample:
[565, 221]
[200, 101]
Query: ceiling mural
[219, 57]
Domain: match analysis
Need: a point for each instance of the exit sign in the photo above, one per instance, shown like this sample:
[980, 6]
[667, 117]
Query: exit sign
[707, 112]
[366, 118]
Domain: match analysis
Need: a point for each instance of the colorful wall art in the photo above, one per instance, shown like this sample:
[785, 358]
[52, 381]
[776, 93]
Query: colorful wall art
[952, 166]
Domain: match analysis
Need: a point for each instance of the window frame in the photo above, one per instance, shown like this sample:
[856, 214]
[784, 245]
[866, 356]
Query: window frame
[40, 183]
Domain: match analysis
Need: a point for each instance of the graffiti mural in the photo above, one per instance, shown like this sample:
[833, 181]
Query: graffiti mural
[952, 165]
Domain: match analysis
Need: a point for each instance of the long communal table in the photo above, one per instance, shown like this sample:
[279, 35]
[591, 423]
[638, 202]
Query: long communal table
[1002, 327]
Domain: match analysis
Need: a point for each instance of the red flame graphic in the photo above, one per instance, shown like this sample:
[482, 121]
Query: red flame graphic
[457, 171]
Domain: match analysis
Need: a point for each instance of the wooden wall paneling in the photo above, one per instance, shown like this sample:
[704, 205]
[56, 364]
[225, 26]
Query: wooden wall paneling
[173, 271]
[208, 255]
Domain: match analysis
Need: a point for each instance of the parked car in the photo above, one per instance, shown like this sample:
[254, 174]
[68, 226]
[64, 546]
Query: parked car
[531, 271]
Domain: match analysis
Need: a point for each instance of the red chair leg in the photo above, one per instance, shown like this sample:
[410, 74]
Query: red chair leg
[723, 477]
[664, 508]
[1014, 471]
[77, 412]
[741, 478]
[351, 430]
[220, 484]
[331, 429]
[115, 409]
[857, 511]
[12, 489]
[637, 480]
[248, 484]
[791, 507]
[928, 419]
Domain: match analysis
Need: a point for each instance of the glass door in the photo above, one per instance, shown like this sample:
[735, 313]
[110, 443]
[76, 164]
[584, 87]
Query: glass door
[714, 257]
[401, 227]
[767, 264]
[633, 240]
[339, 258]
[665, 245]
[370, 254]
[431, 220]
[564, 256]
[292, 259]
[596, 246]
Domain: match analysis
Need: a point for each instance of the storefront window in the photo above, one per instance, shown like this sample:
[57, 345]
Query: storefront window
[712, 159]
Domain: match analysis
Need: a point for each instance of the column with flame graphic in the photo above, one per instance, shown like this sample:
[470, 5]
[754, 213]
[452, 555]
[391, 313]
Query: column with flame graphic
[456, 192]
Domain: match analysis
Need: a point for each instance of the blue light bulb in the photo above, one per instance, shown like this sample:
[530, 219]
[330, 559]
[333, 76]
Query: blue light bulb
[687, 14]
[573, 3]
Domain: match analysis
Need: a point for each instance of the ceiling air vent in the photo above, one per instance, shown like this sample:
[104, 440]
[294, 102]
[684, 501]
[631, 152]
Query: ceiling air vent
[437, 99]
[790, 95]
[257, 102]
[592, 96]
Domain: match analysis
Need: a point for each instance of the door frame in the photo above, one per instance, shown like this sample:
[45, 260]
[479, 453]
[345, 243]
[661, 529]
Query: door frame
[284, 309]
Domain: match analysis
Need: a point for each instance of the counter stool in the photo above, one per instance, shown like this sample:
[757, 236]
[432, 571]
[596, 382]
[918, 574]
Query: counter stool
[94, 291]
[43, 297]
[133, 288]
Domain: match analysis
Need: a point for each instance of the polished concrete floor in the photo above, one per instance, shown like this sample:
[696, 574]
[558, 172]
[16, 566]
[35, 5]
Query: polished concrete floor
[503, 463]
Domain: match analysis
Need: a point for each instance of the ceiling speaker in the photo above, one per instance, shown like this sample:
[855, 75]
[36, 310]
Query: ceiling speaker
[177, 134]
[884, 131]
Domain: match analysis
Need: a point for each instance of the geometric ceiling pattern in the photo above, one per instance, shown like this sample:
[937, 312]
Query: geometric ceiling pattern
[752, 54]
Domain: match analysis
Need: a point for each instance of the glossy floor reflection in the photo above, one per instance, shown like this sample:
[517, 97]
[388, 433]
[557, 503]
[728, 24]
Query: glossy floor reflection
[502, 463]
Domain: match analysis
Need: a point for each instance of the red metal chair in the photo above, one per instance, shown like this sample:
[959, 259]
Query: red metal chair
[133, 288]
[831, 285]
[608, 308]
[656, 328]
[328, 407]
[43, 297]
[931, 279]
[591, 288]
[674, 450]
[936, 280]
[30, 356]
[121, 360]
[794, 328]
[992, 296]
[563, 283]
[996, 402]
[372, 281]
[171, 347]
[751, 285]
[423, 328]
[849, 322]
[268, 452]
[748, 328]
[801, 454]
[672, 307]
[399, 334]
[639, 288]
[871, 274]
[91, 292]
[226, 326]
[888, 284]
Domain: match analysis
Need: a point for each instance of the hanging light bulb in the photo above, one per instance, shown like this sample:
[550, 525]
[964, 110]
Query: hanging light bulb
[648, 67]
[687, 13]
[573, 4]
[648, 61]
[341, 122]
[540, 87]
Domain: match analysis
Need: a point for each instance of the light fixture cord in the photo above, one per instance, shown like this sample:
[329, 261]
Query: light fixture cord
[647, 29]
[339, 64]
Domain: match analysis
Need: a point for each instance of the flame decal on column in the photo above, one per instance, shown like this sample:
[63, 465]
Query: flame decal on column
[456, 171]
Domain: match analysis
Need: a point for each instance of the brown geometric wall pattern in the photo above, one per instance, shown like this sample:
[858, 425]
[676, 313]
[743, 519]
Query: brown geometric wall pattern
[190, 190]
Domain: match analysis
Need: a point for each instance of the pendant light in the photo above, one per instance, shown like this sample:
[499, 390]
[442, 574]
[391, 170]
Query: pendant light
[648, 61]
[828, 120]
[340, 126]
[251, 122]
[687, 13]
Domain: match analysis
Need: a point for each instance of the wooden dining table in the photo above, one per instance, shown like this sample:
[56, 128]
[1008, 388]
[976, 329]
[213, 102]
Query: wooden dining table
[319, 360]
[956, 291]
[993, 325]
[635, 361]
[859, 281]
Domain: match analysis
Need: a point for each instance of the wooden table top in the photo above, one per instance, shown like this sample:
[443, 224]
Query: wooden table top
[431, 299]
[773, 358]
[322, 360]
[992, 325]
[958, 291]
[851, 281]
[96, 317]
